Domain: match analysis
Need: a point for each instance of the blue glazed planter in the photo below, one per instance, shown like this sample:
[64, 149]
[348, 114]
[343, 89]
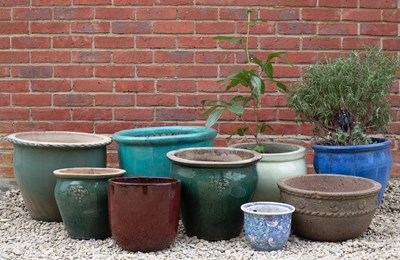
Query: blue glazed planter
[267, 225]
[142, 151]
[371, 161]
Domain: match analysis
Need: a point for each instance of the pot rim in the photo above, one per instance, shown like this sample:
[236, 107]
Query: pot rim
[164, 135]
[289, 208]
[92, 140]
[172, 156]
[299, 153]
[382, 143]
[68, 173]
[376, 186]
[122, 181]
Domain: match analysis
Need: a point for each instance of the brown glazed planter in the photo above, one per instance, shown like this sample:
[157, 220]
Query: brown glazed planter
[144, 212]
[330, 207]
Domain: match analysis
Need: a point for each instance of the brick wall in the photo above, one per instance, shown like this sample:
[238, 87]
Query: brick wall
[105, 65]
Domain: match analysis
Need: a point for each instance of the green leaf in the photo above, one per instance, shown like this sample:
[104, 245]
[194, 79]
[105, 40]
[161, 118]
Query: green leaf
[210, 110]
[275, 55]
[213, 118]
[242, 130]
[256, 61]
[259, 148]
[281, 85]
[235, 108]
[253, 22]
[261, 127]
[269, 70]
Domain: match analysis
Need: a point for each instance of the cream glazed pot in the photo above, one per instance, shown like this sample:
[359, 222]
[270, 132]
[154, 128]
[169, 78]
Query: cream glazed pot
[279, 161]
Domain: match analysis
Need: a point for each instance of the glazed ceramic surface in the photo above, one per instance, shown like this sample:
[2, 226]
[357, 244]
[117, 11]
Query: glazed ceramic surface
[144, 212]
[81, 196]
[372, 161]
[38, 154]
[267, 225]
[279, 161]
[330, 207]
[142, 151]
[215, 183]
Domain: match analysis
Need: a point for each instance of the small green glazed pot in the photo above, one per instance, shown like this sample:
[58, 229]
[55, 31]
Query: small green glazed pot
[82, 197]
[215, 183]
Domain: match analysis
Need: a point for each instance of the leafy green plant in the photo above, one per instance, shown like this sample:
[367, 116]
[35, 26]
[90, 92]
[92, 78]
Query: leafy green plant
[345, 99]
[251, 78]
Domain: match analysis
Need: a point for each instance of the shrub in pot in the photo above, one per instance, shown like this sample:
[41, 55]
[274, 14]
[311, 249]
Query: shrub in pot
[346, 100]
[279, 160]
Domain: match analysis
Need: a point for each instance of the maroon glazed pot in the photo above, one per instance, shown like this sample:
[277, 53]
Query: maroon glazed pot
[144, 212]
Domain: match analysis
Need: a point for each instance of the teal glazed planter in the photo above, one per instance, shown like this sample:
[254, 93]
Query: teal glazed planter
[82, 198]
[144, 212]
[38, 154]
[142, 150]
[372, 161]
[215, 183]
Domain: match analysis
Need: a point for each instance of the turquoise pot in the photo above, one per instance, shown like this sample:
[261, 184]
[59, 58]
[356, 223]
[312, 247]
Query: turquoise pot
[142, 151]
[215, 183]
[38, 154]
[82, 198]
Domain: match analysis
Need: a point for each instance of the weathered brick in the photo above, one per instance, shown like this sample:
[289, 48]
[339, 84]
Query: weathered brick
[91, 56]
[73, 100]
[115, 100]
[156, 13]
[73, 71]
[30, 42]
[132, 56]
[91, 114]
[61, 85]
[134, 86]
[159, 71]
[108, 42]
[32, 71]
[28, 100]
[30, 14]
[108, 13]
[90, 27]
[132, 27]
[51, 114]
[89, 85]
[114, 71]
[76, 13]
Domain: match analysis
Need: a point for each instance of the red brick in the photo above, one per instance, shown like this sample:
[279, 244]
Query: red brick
[337, 29]
[359, 43]
[214, 57]
[115, 100]
[92, 2]
[156, 42]
[8, 57]
[108, 13]
[172, 85]
[5, 14]
[194, 42]
[91, 56]
[197, 71]
[134, 86]
[338, 3]
[30, 42]
[51, 114]
[379, 29]
[73, 71]
[277, 100]
[132, 27]
[112, 127]
[133, 2]
[156, 13]
[175, 114]
[253, 44]
[114, 71]
[14, 3]
[14, 113]
[86, 127]
[28, 100]
[280, 14]
[233, 14]
[5, 71]
[391, 44]
[5, 43]
[91, 114]
[73, 100]
[14, 86]
[297, 3]
[321, 43]
[159, 100]
[173, 27]
[50, 27]
[51, 85]
[51, 2]
[391, 15]
[173, 57]
[215, 27]
[194, 100]
[378, 4]
[286, 114]
[132, 57]
[76, 13]
[90, 27]
[72, 42]
[30, 14]
[279, 43]
[90, 85]
[320, 14]
[296, 28]
[13, 27]
[198, 13]
[258, 28]
[301, 57]
[5, 99]
[159, 71]
[361, 15]
[109, 42]
[32, 71]
[210, 86]
[26, 126]
[173, 2]
[133, 114]
[237, 2]
[50, 56]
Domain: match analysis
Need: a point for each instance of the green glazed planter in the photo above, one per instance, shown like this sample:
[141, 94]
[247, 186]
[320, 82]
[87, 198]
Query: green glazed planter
[82, 197]
[142, 151]
[38, 154]
[215, 183]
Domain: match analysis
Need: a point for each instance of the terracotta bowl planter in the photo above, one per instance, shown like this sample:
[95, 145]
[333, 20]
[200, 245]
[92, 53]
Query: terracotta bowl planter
[330, 207]
[144, 212]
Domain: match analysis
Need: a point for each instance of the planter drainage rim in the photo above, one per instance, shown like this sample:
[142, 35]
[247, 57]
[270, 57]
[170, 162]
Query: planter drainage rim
[56, 139]
[287, 209]
[173, 156]
[380, 144]
[376, 186]
[82, 173]
[164, 135]
[296, 151]
[147, 181]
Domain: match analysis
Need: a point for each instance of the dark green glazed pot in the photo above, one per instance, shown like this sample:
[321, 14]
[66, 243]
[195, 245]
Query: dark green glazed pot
[82, 198]
[38, 154]
[215, 183]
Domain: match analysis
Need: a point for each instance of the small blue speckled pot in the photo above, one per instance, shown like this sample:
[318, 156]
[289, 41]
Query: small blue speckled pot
[267, 224]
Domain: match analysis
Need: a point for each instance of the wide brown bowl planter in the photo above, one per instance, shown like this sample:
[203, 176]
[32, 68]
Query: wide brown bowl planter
[144, 212]
[330, 207]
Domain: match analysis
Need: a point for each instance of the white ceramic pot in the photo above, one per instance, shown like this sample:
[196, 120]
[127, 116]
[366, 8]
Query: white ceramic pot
[281, 160]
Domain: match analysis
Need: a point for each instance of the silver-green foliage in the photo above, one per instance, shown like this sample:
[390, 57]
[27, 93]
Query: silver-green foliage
[356, 85]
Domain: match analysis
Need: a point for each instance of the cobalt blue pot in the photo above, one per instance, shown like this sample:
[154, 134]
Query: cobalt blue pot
[372, 161]
[142, 151]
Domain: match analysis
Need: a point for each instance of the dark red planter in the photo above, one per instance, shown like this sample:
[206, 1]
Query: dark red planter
[144, 212]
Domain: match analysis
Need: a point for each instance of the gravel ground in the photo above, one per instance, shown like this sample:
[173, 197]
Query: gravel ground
[24, 238]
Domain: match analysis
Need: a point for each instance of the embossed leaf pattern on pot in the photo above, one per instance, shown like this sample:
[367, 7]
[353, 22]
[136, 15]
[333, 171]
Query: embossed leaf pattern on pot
[77, 192]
